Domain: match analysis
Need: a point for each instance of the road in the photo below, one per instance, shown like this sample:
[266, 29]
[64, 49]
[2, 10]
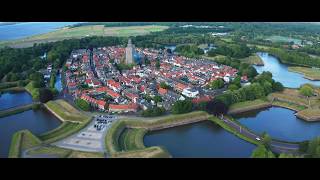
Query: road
[276, 146]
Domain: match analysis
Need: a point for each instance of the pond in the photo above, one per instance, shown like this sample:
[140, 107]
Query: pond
[13, 99]
[280, 72]
[279, 123]
[204, 139]
[37, 122]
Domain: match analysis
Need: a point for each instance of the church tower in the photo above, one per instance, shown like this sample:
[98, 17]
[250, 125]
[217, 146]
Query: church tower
[129, 52]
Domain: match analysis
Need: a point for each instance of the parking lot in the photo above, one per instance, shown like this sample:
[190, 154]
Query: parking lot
[91, 138]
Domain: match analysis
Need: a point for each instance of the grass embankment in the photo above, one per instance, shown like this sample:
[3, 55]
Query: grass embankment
[32, 90]
[125, 137]
[232, 130]
[248, 106]
[254, 60]
[309, 73]
[81, 32]
[66, 112]
[22, 140]
[13, 86]
[73, 121]
[63, 153]
[64, 130]
[307, 108]
[16, 110]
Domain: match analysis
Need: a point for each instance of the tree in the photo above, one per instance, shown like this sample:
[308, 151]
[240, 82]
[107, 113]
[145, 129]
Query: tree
[266, 139]
[217, 107]
[262, 152]
[151, 112]
[158, 64]
[306, 90]
[217, 84]
[82, 104]
[45, 95]
[277, 86]
[157, 99]
[164, 85]
[181, 107]
[233, 87]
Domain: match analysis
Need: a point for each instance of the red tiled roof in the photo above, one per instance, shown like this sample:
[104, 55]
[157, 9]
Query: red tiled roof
[201, 99]
[131, 106]
[162, 91]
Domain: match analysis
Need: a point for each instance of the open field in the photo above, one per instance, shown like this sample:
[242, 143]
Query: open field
[254, 60]
[275, 38]
[83, 31]
[125, 137]
[248, 106]
[259, 46]
[22, 140]
[309, 73]
[65, 112]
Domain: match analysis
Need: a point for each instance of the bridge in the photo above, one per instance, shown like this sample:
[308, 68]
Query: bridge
[275, 145]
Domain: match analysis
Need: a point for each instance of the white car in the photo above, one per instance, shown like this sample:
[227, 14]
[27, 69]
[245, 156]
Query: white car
[258, 139]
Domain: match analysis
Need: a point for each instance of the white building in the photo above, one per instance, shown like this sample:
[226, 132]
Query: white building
[189, 92]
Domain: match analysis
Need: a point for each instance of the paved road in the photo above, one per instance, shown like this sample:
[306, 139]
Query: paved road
[276, 146]
[88, 139]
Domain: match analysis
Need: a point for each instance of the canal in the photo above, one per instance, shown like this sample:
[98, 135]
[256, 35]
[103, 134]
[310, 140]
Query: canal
[279, 123]
[13, 99]
[37, 122]
[204, 139]
[280, 72]
[58, 84]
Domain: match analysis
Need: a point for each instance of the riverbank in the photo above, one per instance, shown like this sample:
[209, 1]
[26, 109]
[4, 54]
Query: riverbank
[132, 139]
[308, 73]
[248, 106]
